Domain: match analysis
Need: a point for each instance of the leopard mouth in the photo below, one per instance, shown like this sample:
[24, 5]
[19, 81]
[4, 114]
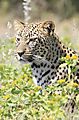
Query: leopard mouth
[28, 58]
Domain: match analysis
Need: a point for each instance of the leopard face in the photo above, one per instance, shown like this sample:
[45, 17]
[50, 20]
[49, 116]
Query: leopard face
[33, 41]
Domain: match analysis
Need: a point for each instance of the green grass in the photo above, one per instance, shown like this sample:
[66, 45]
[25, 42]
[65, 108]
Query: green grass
[20, 99]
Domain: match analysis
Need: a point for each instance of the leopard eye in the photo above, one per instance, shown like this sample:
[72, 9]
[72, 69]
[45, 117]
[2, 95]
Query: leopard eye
[28, 41]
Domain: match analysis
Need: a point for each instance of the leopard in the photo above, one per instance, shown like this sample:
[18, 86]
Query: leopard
[37, 44]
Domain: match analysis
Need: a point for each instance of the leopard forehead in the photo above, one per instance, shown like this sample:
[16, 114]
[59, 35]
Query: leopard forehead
[45, 28]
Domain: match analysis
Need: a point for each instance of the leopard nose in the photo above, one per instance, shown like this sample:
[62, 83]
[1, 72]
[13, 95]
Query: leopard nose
[20, 53]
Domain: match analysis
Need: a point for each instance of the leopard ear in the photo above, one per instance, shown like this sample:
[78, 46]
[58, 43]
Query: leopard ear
[48, 27]
[18, 26]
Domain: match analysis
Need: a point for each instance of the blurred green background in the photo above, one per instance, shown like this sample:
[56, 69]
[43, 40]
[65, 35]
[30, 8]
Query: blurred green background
[62, 8]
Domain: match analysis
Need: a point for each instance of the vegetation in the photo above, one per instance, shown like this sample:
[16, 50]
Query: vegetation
[20, 99]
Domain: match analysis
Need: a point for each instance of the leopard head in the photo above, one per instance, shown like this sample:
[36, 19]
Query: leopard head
[33, 41]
